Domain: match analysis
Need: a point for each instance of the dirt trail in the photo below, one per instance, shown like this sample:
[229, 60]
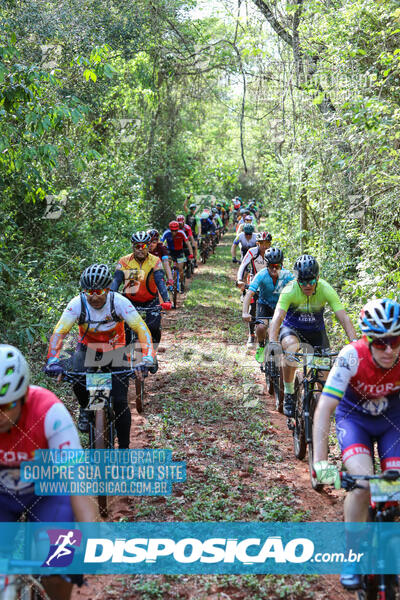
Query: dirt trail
[188, 331]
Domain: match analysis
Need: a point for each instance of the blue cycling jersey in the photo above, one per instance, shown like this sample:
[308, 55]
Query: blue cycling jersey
[269, 293]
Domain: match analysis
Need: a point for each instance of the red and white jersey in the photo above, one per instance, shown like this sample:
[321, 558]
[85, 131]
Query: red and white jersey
[254, 259]
[44, 423]
[188, 230]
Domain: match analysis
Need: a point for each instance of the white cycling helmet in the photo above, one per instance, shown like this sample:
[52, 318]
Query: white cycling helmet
[381, 317]
[14, 374]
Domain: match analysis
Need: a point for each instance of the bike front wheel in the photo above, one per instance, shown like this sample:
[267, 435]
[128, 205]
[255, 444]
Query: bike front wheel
[299, 434]
[102, 433]
[139, 386]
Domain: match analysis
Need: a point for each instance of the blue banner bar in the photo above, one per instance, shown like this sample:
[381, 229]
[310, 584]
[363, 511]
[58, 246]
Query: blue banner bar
[185, 548]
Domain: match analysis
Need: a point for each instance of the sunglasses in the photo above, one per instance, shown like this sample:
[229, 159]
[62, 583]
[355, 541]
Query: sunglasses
[97, 292]
[382, 343]
[8, 406]
[309, 282]
[275, 266]
[141, 246]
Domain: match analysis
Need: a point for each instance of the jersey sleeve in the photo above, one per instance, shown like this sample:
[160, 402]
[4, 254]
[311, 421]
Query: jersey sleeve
[245, 262]
[343, 370]
[236, 240]
[255, 284]
[64, 325]
[189, 231]
[332, 298]
[60, 430]
[287, 295]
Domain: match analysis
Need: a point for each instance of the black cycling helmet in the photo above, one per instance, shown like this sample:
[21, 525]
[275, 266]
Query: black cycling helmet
[153, 233]
[306, 267]
[140, 237]
[248, 229]
[193, 206]
[273, 256]
[96, 277]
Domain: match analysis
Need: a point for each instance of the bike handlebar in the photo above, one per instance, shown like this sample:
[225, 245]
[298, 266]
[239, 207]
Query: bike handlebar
[72, 376]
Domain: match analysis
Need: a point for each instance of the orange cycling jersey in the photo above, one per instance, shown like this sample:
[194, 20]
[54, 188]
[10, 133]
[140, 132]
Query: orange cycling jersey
[139, 284]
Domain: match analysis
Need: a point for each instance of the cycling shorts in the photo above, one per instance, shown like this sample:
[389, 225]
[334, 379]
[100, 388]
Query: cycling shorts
[263, 310]
[151, 316]
[37, 508]
[313, 337]
[356, 433]
[178, 256]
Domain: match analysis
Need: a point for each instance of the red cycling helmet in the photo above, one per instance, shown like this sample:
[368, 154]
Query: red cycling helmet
[180, 219]
[174, 226]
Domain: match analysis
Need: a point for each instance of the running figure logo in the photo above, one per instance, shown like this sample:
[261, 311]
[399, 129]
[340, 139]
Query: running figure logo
[61, 552]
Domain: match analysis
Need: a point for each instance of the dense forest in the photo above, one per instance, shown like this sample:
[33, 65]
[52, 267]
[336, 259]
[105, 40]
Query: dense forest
[112, 112]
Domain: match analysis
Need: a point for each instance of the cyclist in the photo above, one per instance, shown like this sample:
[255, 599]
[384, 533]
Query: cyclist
[100, 314]
[254, 258]
[364, 388]
[268, 283]
[301, 309]
[142, 276]
[236, 209]
[247, 220]
[189, 233]
[247, 239]
[160, 250]
[193, 220]
[33, 418]
[175, 238]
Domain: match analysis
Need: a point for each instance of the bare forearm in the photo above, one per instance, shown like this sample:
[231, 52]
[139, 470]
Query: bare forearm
[85, 509]
[321, 427]
[347, 325]
[246, 301]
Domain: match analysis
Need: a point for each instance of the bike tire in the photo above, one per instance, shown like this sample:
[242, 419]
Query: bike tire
[139, 387]
[30, 589]
[278, 391]
[175, 290]
[318, 487]
[392, 587]
[101, 442]
[299, 435]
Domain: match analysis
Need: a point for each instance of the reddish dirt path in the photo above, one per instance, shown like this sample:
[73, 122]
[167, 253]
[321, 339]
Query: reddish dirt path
[325, 506]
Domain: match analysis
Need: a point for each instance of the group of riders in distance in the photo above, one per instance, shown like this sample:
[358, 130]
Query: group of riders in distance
[119, 318]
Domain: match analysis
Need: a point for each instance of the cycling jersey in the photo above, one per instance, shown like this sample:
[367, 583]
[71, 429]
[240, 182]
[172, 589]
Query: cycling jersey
[187, 229]
[245, 243]
[269, 293]
[161, 251]
[44, 423]
[99, 330]
[174, 243]
[139, 284]
[207, 226]
[194, 223]
[253, 259]
[307, 312]
[369, 404]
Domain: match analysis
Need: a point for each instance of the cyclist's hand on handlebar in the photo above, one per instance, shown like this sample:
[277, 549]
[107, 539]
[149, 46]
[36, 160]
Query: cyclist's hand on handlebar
[190, 256]
[53, 368]
[142, 370]
[166, 305]
[247, 317]
[241, 285]
[327, 474]
[274, 348]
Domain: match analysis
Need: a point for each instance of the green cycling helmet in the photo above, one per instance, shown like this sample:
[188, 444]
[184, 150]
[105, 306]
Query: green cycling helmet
[248, 229]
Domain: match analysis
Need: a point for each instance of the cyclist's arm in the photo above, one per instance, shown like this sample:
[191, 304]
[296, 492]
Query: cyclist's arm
[276, 323]
[245, 262]
[343, 370]
[64, 325]
[160, 283]
[136, 323]
[167, 268]
[234, 246]
[247, 301]
[346, 323]
[118, 279]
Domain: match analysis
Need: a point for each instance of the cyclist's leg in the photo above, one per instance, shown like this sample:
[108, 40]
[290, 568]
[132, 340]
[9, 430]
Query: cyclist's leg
[263, 310]
[122, 412]
[79, 388]
[290, 343]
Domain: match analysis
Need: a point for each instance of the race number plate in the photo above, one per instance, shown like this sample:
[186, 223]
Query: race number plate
[99, 388]
[384, 491]
[322, 363]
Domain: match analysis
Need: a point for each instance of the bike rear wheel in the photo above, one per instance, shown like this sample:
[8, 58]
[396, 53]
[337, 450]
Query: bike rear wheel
[299, 435]
[175, 290]
[139, 387]
[102, 437]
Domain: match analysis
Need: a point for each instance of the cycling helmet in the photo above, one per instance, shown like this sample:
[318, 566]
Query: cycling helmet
[193, 206]
[248, 229]
[154, 234]
[173, 225]
[214, 210]
[263, 236]
[380, 317]
[306, 267]
[273, 256]
[14, 374]
[180, 218]
[140, 237]
[248, 218]
[218, 205]
[242, 211]
[96, 277]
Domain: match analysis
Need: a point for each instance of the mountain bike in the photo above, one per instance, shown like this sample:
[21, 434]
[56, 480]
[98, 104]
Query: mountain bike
[273, 375]
[384, 507]
[307, 391]
[179, 283]
[189, 266]
[22, 587]
[204, 247]
[101, 411]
